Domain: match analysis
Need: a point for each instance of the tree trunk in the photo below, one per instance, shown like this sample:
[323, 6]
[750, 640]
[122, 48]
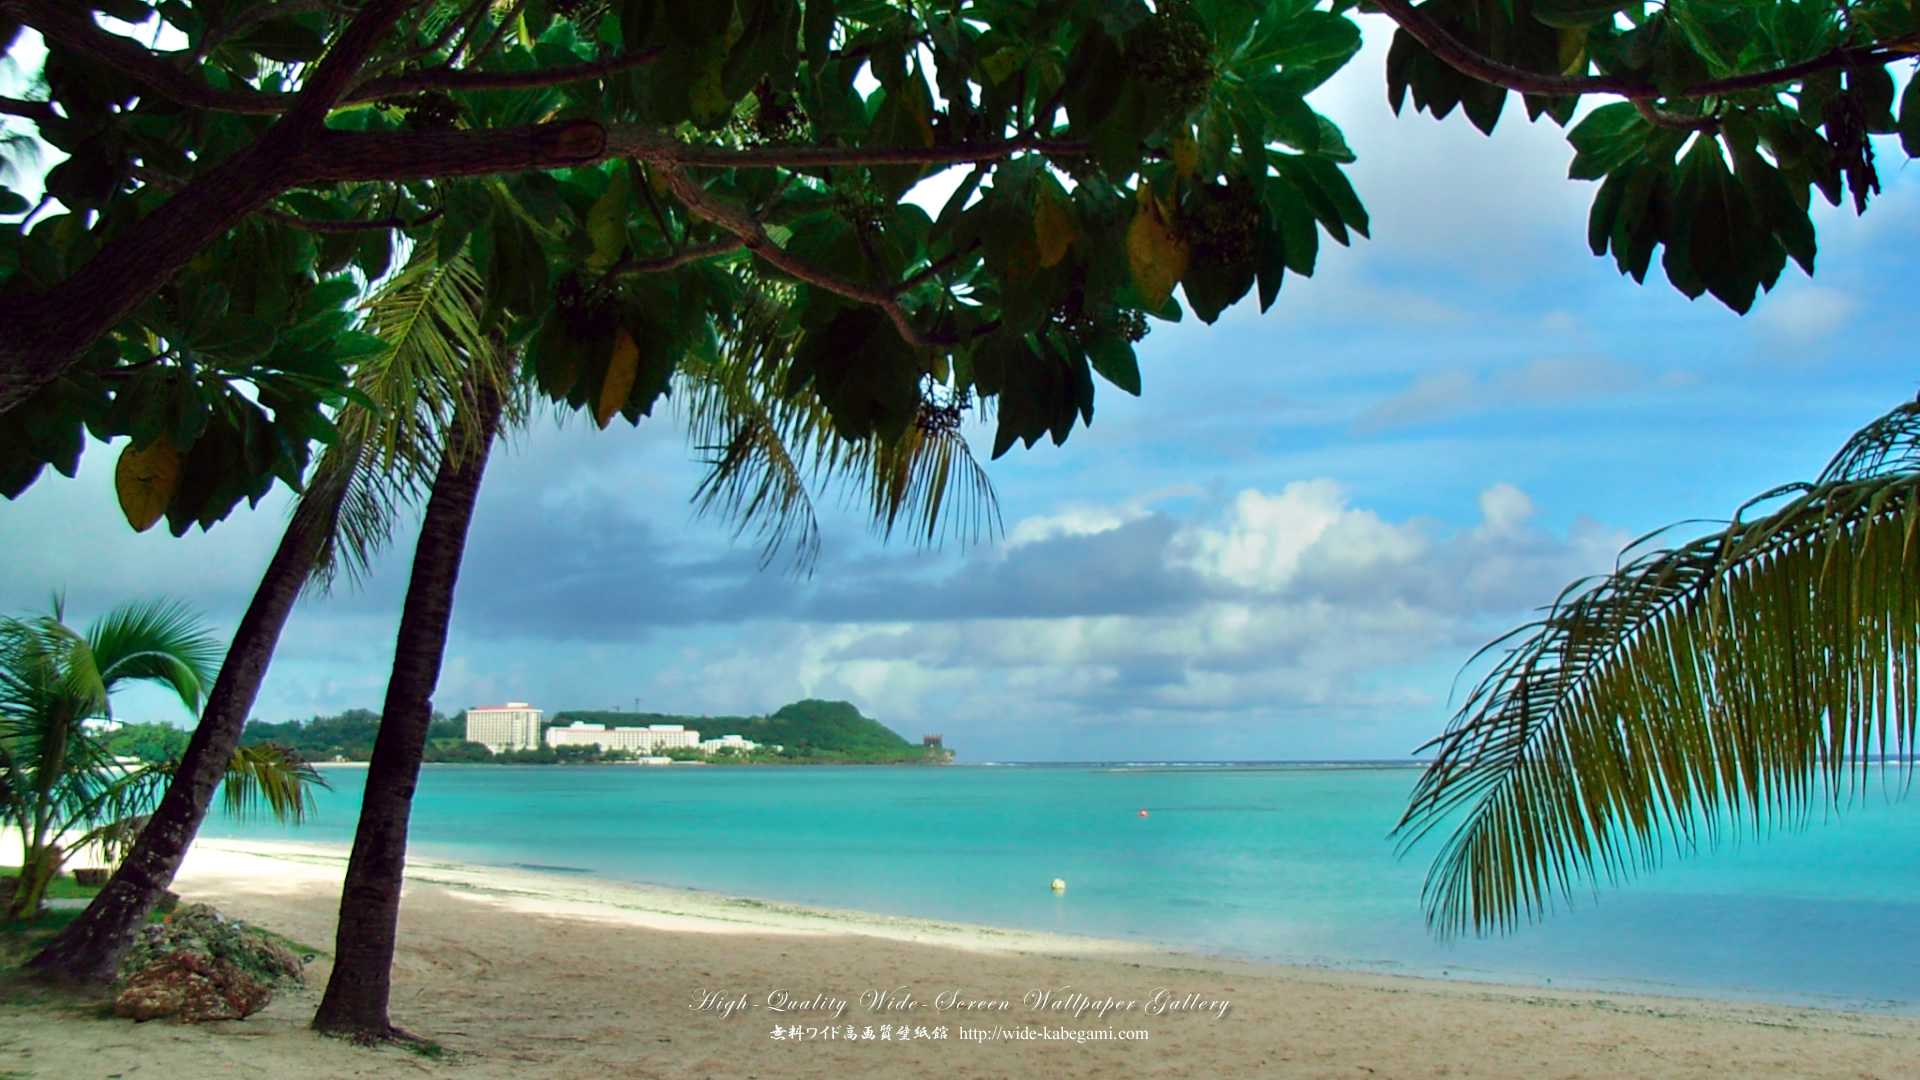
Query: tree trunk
[355, 1004]
[39, 865]
[90, 949]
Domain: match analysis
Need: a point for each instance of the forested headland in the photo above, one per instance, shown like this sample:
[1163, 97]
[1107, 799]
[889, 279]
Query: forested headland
[810, 732]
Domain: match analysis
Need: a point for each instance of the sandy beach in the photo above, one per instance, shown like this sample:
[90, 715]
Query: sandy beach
[519, 974]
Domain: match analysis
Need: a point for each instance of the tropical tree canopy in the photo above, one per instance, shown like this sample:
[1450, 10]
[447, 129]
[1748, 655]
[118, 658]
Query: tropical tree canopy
[238, 169]
[1731, 681]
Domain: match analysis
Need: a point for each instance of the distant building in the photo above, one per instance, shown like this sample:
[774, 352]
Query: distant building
[100, 726]
[641, 740]
[930, 740]
[728, 742]
[513, 726]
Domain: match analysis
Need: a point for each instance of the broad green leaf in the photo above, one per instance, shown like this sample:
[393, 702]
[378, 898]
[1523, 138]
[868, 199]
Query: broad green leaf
[1610, 136]
[607, 221]
[1113, 357]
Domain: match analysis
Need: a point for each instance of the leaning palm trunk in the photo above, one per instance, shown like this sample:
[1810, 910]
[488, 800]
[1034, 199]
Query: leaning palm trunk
[91, 947]
[355, 1004]
[426, 315]
[1733, 679]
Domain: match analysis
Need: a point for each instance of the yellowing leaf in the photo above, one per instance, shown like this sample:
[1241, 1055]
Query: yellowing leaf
[1186, 152]
[709, 100]
[1155, 251]
[621, 370]
[1053, 228]
[607, 222]
[1573, 51]
[145, 481]
[1003, 63]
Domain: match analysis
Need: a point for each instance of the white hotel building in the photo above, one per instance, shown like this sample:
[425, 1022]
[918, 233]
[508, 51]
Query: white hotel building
[513, 726]
[641, 740]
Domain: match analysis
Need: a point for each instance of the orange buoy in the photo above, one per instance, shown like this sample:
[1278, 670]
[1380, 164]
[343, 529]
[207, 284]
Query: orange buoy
[1143, 813]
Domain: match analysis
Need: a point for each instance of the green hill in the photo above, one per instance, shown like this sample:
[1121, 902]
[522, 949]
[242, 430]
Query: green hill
[811, 730]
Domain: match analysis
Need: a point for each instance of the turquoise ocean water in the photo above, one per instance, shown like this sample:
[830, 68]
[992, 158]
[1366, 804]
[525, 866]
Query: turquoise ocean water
[1285, 864]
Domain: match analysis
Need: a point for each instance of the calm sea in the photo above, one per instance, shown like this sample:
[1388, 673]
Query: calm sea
[1278, 864]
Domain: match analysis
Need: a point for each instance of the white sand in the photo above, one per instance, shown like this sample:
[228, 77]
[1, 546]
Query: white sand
[528, 975]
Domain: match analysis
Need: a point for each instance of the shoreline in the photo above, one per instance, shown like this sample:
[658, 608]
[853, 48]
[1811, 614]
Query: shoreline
[581, 892]
[518, 974]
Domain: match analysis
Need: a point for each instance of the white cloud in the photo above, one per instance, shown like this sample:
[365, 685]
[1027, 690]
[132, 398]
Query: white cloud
[1265, 537]
[1300, 607]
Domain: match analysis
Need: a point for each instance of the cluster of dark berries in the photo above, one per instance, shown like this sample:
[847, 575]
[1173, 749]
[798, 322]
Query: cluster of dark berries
[1222, 222]
[428, 110]
[777, 119]
[577, 12]
[864, 210]
[1173, 53]
[588, 311]
[1074, 320]
[943, 418]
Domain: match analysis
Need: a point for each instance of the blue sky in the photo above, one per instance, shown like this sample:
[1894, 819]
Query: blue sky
[1286, 548]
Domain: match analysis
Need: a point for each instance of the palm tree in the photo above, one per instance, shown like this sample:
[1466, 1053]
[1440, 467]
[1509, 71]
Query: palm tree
[378, 464]
[57, 778]
[1730, 681]
[769, 444]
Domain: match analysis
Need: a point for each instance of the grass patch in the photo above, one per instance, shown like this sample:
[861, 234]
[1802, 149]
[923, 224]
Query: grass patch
[60, 888]
[297, 948]
[19, 941]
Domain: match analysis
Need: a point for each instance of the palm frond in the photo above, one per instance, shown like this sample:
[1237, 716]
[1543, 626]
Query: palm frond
[436, 358]
[156, 641]
[270, 776]
[768, 447]
[1729, 681]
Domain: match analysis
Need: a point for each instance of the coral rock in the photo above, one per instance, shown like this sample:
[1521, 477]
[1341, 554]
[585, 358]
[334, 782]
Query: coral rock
[191, 988]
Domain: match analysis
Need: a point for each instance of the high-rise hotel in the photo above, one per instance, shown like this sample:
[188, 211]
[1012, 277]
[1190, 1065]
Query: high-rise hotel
[513, 726]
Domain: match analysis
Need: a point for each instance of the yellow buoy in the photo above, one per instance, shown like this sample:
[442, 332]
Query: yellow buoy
[1059, 884]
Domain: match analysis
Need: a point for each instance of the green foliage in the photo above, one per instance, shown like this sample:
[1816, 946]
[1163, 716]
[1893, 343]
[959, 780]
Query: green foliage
[350, 735]
[151, 743]
[1735, 678]
[1717, 159]
[56, 778]
[609, 272]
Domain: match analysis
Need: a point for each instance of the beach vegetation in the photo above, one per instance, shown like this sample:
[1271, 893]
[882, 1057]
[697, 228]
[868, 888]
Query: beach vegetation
[404, 394]
[61, 785]
[1732, 681]
[601, 197]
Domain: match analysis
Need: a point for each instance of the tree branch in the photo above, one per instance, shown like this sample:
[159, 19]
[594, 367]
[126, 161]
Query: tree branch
[749, 229]
[38, 111]
[340, 67]
[804, 157]
[324, 226]
[75, 31]
[466, 79]
[1470, 62]
[1659, 117]
[48, 330]
[152, 70]
[338, 156]
[677, 259]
